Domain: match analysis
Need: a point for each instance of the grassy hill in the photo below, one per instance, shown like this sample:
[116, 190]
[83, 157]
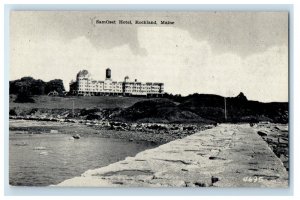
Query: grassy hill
[80, 102]
[196, 108]
[206, 108]
[158, 110]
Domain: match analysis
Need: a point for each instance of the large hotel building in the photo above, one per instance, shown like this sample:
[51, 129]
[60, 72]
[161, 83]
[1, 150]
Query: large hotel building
[86, 86]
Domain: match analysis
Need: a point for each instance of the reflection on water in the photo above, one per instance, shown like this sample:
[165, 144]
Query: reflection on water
[44, 159]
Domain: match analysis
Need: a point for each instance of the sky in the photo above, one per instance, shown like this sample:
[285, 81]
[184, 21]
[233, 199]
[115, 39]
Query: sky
[222, 53]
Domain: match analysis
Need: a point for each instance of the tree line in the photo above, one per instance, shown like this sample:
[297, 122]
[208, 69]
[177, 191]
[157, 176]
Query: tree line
[25, 87]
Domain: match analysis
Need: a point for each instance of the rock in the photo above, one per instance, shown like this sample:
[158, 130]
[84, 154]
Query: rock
[39, 148]
[53, 131]
[189, 184]
[77, 136]
[214, 180]
[269, 140]
[283, 141]
[21, 144]
[215, 158]
[199, 184]
[280, 150]
[261, 133]
[44, 153]
[283, 158]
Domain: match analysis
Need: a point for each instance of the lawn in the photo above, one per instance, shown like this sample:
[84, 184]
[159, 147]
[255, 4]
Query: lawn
[80, 102]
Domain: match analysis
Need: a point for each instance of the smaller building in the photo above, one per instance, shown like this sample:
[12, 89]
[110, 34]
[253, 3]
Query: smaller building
[53, 93]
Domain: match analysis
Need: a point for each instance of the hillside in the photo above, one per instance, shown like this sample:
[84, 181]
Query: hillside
[239, 109]
[158, 110]
[196, 108]
[205, 108]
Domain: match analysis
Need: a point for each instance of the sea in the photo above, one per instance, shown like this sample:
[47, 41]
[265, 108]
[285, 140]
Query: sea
[49, 158]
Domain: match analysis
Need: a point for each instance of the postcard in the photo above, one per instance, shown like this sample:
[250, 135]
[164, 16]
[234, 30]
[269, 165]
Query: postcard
[149, 99]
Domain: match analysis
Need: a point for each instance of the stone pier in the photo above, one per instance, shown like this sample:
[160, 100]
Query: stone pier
[225, 156]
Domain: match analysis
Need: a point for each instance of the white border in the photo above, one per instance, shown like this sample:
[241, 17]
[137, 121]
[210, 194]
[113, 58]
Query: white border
[294, 84]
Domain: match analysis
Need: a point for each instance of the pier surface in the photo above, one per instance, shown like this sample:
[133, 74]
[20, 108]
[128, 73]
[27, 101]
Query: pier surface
[228, 155]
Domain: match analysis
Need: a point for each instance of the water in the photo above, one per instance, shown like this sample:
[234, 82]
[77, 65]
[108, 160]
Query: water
[45, 159]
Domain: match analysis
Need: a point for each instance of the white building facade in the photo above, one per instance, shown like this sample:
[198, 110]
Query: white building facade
[86, 86]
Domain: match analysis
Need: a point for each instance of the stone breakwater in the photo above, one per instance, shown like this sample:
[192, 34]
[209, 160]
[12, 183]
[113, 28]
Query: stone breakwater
[224, 156]
[277, 137]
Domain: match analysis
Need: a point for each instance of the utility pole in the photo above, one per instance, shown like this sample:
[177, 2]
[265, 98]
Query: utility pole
[225, 110]
[73, 108]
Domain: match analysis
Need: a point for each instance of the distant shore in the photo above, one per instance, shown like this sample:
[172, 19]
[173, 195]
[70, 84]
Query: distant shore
[152, 132]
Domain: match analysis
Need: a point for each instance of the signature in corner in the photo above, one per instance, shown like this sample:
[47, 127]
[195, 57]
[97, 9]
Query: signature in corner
[93, 21]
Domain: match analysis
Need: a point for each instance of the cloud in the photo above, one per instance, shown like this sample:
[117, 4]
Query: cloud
[243, 33]
[171, 55]
[268, 74]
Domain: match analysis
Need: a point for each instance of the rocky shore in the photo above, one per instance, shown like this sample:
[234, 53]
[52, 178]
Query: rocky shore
[228, 155]
[153, 132]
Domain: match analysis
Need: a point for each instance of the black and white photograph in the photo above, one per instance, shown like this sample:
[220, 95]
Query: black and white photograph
[149, 99]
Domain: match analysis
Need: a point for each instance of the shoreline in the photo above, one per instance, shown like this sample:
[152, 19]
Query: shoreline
[158, 133]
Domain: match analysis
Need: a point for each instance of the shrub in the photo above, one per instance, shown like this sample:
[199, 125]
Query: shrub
[12, 112]
[24, 98]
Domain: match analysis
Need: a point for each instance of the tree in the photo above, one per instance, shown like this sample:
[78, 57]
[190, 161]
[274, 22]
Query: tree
[24, 93]
[56, 84]
[29, 86]
[38, 87]
[18, 86]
